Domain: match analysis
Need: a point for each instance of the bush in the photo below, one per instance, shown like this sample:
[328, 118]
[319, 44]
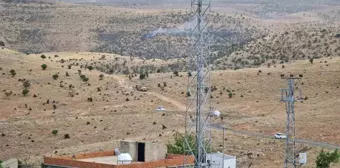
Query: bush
[43, 56]
[25, 92]
[176, 73]
[43, 66]
[55, 132]
[230, 95]
[177, 147]
[13, 73]
[101, 76]
[67, 136]
[141, 75]
[55, 76]
[189, 74]
[26, 84]
[324, 159]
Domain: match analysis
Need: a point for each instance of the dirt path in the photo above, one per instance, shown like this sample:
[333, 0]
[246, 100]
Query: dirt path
[124, 84]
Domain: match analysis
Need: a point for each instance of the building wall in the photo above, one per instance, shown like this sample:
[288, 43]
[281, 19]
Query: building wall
[154, 151]
[129, 147]
[172, 160]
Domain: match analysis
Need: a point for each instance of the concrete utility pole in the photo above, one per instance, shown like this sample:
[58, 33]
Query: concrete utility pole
[289, 98]
[200, 82]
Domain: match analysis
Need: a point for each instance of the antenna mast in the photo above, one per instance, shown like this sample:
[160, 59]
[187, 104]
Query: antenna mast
[288, 96]
[197, 112]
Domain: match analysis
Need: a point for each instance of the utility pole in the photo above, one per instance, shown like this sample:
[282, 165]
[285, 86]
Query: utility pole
[197, 107]
[288, 96]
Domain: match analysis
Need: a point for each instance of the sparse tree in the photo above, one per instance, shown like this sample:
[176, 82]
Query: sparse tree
[43, 66]
[230, 95]
[43, 56]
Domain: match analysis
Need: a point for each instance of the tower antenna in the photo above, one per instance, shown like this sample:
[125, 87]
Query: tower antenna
[288, 96]
[197, 128]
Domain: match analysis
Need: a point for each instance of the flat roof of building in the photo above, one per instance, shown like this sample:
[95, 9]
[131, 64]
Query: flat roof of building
[220, 155]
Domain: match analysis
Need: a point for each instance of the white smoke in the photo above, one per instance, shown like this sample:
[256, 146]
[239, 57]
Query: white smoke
[185, 28]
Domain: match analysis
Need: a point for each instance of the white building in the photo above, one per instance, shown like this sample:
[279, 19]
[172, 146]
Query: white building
[220, 160]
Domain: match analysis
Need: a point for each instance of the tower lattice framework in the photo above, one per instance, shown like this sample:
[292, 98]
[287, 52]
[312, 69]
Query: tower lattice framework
[197, 130]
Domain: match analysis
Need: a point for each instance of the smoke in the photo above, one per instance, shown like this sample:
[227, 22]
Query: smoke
[183, 29]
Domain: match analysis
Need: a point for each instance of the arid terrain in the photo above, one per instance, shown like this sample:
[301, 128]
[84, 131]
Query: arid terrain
[93, 55]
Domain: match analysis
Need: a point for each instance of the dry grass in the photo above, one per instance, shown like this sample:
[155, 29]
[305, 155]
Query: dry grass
[28, 134]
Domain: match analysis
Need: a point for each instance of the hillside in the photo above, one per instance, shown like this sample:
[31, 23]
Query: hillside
[92, 126]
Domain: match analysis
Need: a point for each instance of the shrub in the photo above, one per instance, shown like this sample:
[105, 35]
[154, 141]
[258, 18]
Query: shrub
[43, 66]
[90, 68]
[13, 73]
[69, 66]
[55, 76]
[67, 136]
[101, 76]
[26, 84]
[25, 92]
[158, 71]
[43, 56]
[324, 159]
[2, 44]
[176, 73]
[177, 146]
[89, 99]
[141, 75]
[54, 106]
[85, 79]
[164, 84]
[230, 95]
[311, 60]
[188, 94]
[55, 132]
[67, 74]
[189, 74]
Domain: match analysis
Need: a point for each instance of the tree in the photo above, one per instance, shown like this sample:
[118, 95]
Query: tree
[101, 76]
[43, 66]
[177, 147]
[324, 159]
[43, 56]
[13, 73]
[25, 92]
[2, 44]
[55, 132]
[55, 76]
[311, 60]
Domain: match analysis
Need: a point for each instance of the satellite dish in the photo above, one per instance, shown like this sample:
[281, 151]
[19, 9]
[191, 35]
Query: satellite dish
[117, 152]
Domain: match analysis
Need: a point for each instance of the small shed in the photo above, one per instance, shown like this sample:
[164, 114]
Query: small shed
[221, 160]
